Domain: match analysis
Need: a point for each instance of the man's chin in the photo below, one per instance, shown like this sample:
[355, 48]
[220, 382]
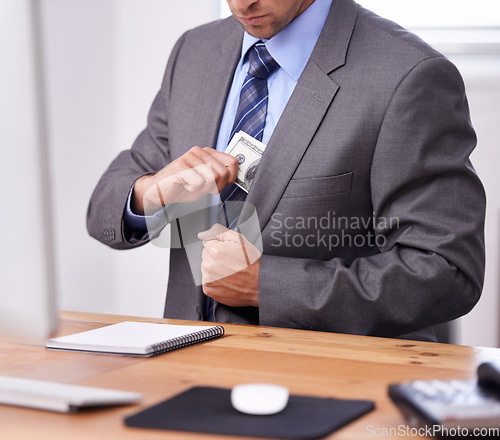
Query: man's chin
[261, 32]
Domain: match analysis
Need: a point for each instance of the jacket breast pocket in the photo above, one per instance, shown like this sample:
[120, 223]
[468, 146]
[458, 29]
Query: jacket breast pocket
[318, 186]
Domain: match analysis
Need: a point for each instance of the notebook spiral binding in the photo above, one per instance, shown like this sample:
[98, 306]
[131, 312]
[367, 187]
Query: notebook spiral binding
[183, 341]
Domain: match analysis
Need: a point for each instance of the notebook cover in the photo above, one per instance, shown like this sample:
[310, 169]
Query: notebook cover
[209, 410]
[143, 339]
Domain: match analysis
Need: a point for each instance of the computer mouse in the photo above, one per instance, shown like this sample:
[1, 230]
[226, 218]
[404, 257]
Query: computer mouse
[259, 398]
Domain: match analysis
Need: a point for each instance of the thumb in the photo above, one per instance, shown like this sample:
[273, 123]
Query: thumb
[216, 232]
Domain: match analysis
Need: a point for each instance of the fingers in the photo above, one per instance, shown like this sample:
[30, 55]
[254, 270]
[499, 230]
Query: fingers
[195, 178]
[227, 275]
[225, 165]
[225, 253]
[216, 168]
[220, 260]
[218, 232]
[198, 172]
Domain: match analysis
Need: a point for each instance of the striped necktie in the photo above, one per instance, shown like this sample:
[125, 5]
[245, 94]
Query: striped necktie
[250, 118]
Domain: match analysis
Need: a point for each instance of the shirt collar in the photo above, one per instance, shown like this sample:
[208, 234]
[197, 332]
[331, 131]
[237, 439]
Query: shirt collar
[292, 46]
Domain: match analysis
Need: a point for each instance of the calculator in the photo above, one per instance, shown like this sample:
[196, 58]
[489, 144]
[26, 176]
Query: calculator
[453, 408]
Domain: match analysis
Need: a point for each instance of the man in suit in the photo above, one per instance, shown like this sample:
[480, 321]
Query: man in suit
[371, 215]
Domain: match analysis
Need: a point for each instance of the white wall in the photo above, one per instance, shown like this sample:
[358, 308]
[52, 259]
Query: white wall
[482, 80]
[104, 64]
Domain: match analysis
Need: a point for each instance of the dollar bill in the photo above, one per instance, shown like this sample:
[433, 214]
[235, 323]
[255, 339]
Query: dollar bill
[248, 151]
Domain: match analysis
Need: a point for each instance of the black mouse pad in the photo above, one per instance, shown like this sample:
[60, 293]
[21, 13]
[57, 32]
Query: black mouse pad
[209, 410]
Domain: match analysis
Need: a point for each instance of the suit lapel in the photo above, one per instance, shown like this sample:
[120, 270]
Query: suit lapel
[304, 112]
[291, 138]
[212, 97]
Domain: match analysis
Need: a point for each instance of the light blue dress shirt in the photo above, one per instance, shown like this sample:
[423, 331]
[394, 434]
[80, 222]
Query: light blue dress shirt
[291, 48]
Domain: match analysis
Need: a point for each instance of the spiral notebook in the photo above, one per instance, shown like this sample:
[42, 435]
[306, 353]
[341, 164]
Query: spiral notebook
[142, 339]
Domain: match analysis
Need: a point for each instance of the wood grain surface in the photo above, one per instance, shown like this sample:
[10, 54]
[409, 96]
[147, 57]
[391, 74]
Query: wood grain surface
[307, 362]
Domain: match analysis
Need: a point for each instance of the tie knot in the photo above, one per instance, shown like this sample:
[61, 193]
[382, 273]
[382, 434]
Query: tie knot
[262, 64]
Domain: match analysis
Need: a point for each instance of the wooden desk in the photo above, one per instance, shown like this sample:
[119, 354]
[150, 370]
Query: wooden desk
[309, 363]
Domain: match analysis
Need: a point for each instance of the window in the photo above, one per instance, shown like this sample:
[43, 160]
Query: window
[438, 13]
[452, 26]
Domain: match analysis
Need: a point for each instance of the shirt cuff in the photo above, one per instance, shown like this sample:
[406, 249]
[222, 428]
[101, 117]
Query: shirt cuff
[133, 222]
[138, 227]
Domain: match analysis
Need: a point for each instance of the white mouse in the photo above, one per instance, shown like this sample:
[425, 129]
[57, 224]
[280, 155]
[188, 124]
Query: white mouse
[259, 398]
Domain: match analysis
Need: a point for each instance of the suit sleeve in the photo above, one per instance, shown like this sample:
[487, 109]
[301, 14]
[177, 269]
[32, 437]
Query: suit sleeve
[430, 268]
[149, 154]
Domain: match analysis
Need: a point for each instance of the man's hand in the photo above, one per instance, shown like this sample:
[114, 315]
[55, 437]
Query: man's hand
[198, 172]
[230, 267]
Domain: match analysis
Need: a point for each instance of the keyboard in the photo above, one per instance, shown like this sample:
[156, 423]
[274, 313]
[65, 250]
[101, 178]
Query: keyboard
[53, 396]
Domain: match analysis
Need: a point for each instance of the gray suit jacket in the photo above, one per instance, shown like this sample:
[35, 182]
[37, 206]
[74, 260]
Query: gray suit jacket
[367, 174]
